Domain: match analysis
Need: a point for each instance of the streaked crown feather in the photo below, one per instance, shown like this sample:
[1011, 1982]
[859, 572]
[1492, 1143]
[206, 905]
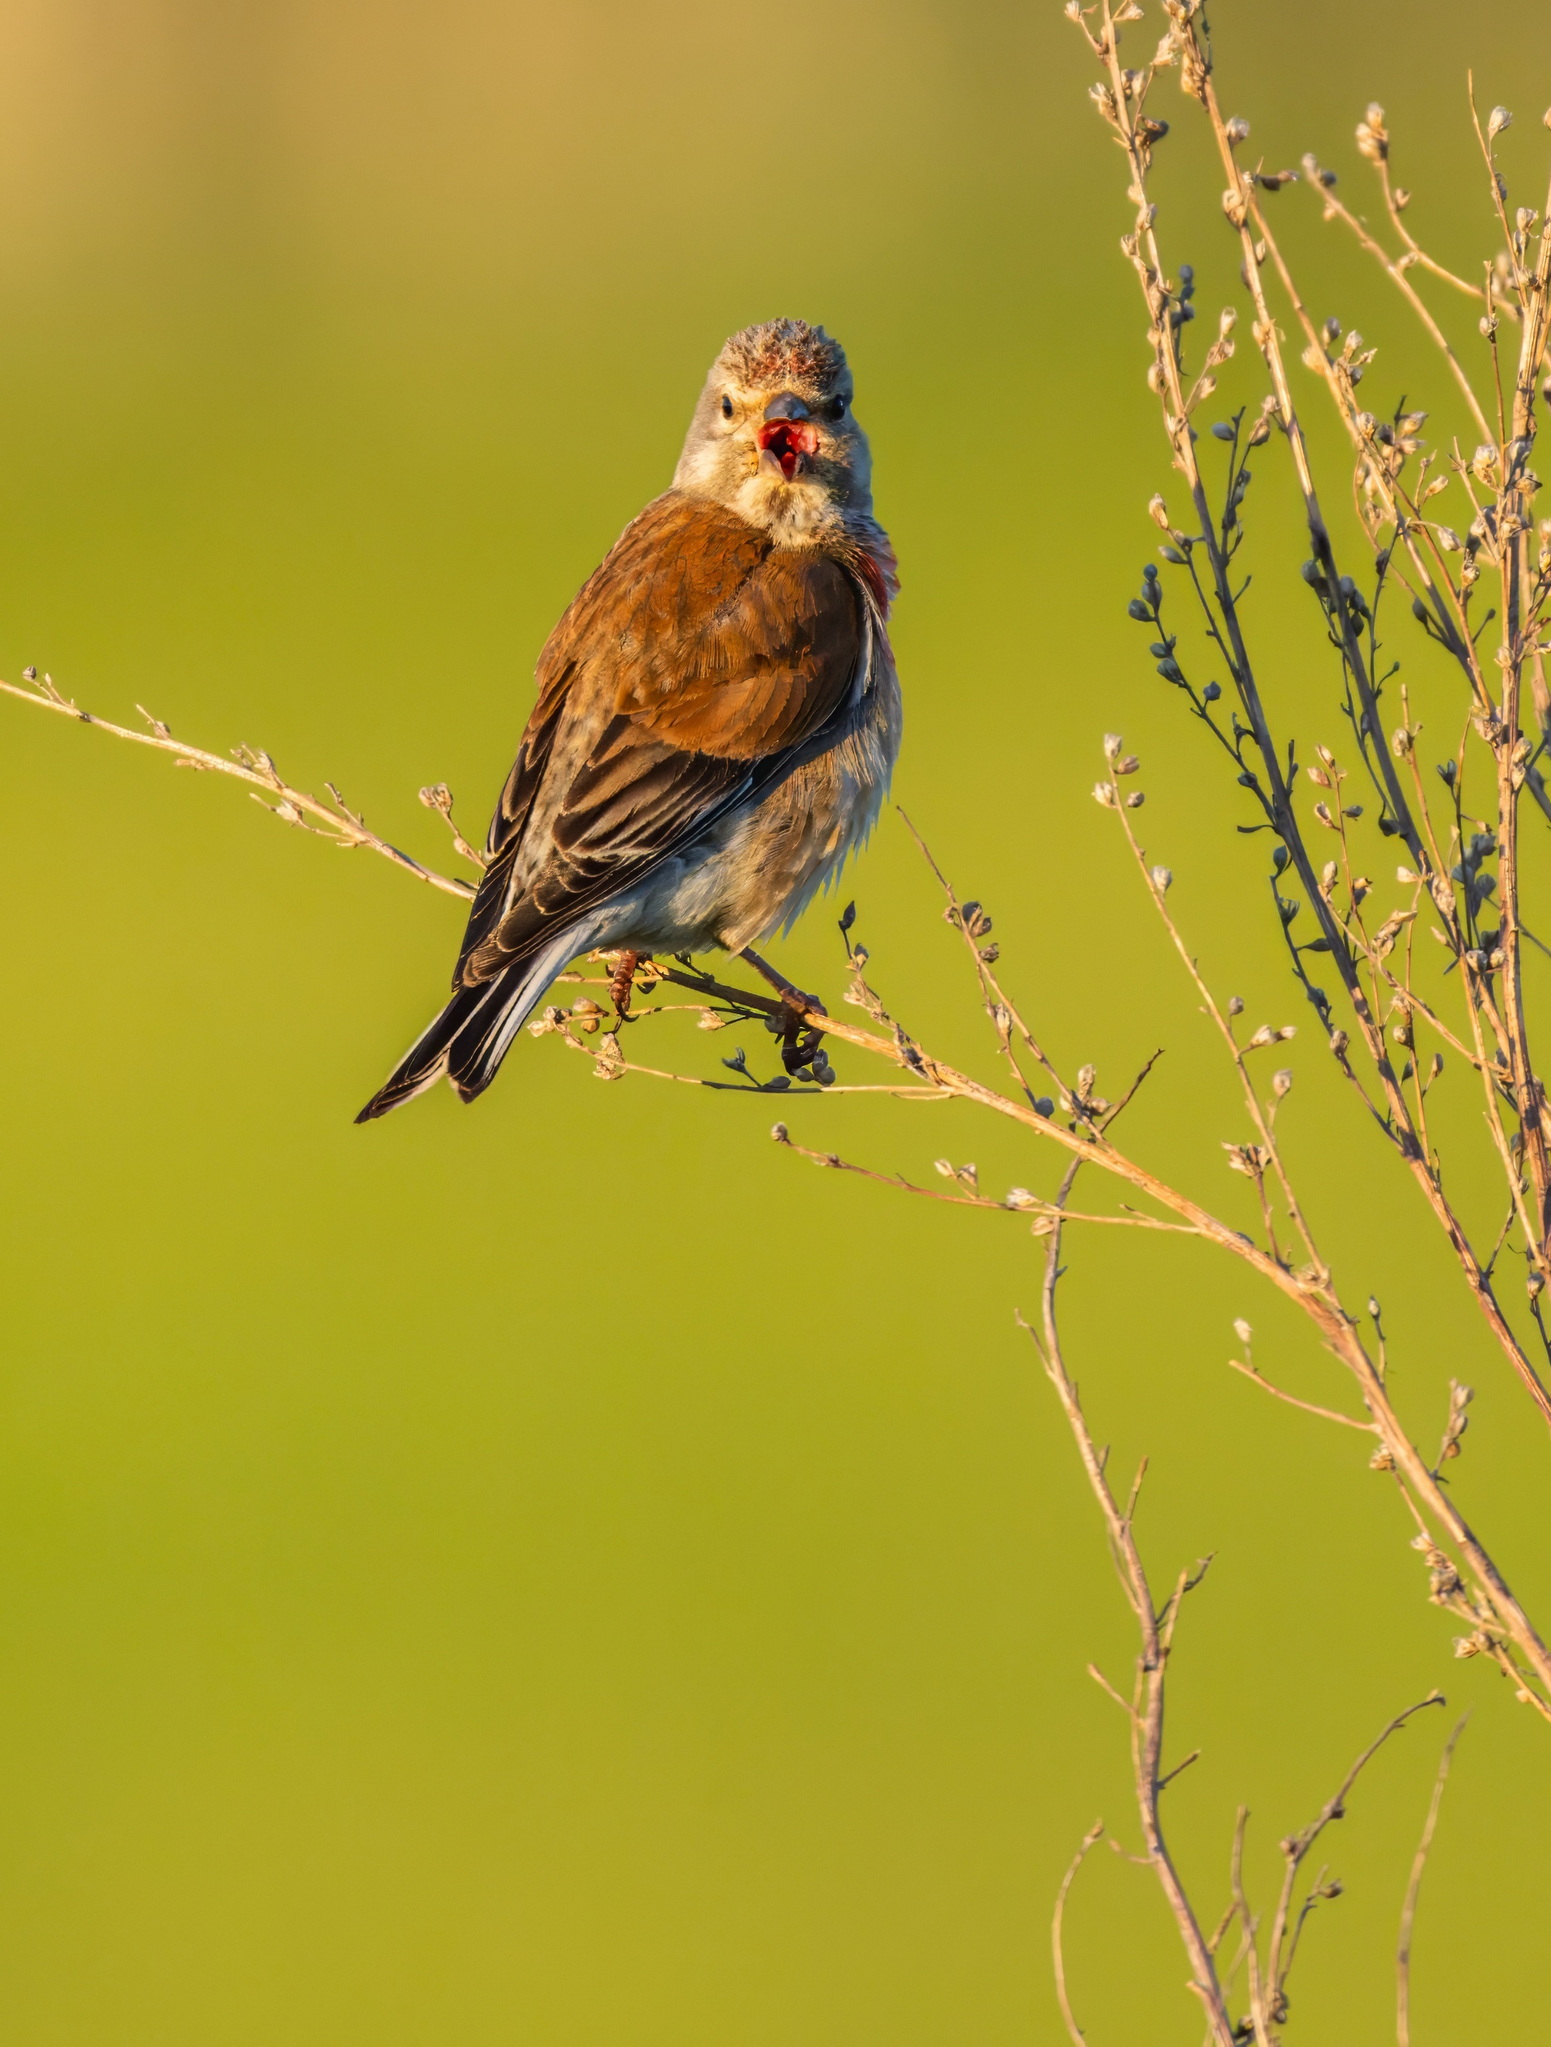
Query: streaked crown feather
[775, 351]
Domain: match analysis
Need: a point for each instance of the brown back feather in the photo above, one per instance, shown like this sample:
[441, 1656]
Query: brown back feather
[705, 657]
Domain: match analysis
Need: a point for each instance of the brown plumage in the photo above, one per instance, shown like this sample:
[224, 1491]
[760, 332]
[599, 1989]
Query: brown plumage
[717, 711]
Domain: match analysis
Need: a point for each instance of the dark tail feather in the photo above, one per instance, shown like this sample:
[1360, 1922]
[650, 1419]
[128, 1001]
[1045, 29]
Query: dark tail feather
[426, 1060]
[472, 1035]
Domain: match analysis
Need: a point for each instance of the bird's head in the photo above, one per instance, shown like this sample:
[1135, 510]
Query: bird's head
[774, 436]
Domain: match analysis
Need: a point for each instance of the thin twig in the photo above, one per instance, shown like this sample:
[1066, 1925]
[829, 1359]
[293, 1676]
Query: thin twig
[1091, 1839]
[334, 820]
[1328, 1414]
[1146, 1715]
[1413, 1891]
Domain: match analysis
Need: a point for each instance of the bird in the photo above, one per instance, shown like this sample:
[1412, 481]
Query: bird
[717, 719]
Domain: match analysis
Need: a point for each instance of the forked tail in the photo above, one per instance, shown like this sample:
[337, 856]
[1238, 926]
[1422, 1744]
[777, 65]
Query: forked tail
[473, 1034]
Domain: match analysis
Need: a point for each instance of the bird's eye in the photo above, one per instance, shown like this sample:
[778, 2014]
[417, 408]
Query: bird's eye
[726, 407]
[837, 408]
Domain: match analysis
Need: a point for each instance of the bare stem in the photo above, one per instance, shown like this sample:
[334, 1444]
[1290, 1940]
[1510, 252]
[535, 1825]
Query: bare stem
[1155, 1629]
[1413, 1892]
[1091, 1839]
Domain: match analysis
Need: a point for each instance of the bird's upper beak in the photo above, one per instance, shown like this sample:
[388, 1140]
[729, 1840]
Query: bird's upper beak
[787, 437]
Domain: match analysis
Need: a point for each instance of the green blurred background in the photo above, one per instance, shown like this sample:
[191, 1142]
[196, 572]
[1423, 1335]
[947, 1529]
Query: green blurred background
[562, 1572]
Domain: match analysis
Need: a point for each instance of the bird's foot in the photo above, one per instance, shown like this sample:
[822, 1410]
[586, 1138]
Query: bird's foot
[622, 980]
[800, 1040]
[800, 1045]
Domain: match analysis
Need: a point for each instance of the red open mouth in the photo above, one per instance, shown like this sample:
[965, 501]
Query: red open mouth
[789, 442]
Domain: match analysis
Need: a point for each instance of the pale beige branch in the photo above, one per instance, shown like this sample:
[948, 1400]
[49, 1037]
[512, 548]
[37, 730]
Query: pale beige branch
[1090, 1840]
[1414, 1889]
[1328, 1414]
[333, 820]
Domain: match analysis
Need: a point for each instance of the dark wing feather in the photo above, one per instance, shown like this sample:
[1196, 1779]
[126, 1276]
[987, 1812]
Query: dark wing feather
[701, 660]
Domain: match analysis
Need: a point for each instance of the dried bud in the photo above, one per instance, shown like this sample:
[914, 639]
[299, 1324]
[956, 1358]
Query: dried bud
[1136, 799]
[1339, 1042]
[779, 1132]
[1242, 1330]
[1235, 1005]
[1372, 138]
[608, 1061]
[1113, 744]
[1160, 512]
[1161, 879]
[1237, 131]
[1281, 1081]
[1104, 792]
[1496, 121]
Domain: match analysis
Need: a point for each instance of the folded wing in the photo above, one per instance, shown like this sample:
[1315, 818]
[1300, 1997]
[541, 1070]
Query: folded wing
[689, 672]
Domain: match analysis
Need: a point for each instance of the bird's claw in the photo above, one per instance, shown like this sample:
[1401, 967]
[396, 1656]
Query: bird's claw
[799, 1039]
[622, 980]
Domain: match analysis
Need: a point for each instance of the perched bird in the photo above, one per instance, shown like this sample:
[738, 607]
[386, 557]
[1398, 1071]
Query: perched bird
[718, 711]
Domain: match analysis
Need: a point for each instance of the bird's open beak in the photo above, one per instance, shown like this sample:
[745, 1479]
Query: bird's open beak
[787, 439]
